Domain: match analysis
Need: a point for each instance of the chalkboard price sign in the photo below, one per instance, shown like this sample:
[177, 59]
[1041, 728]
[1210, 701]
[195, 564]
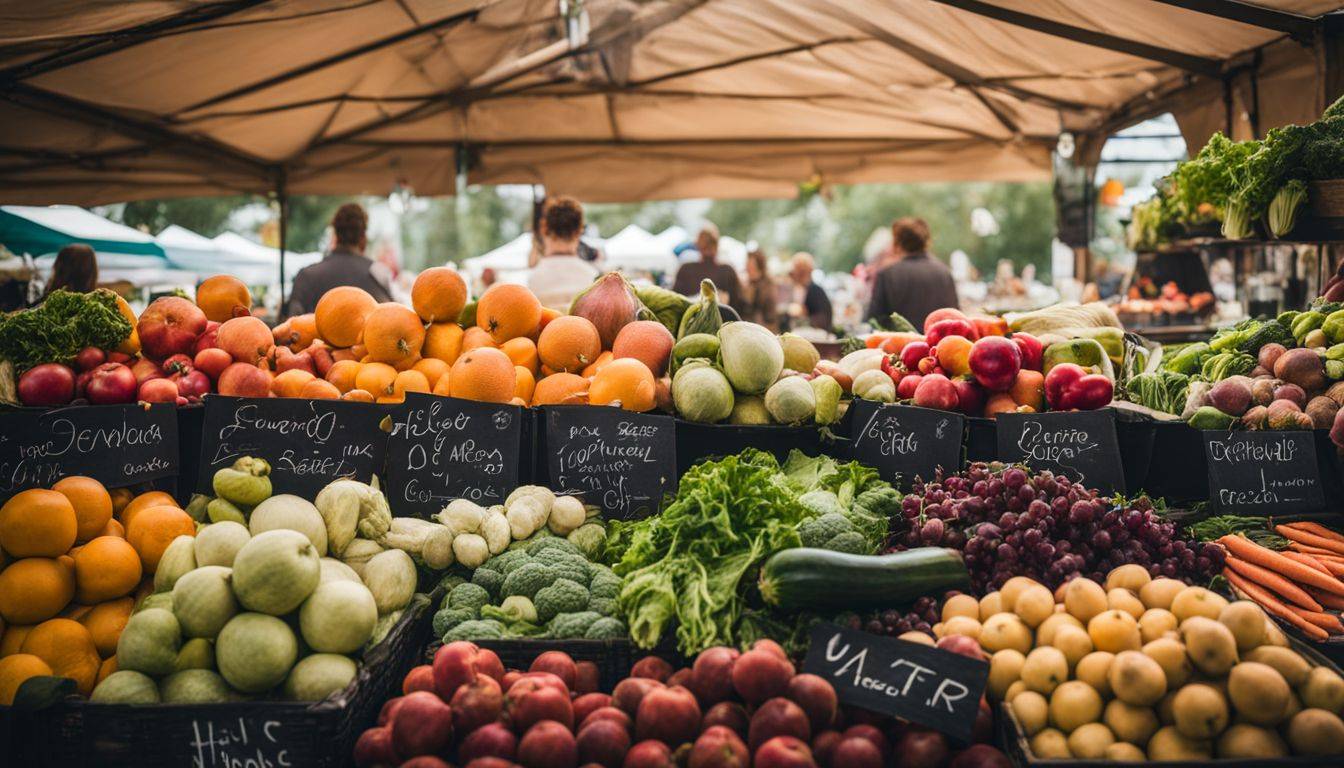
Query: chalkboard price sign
[308, 443]
[444, 448]
[1080, 445]
[929, 686]
[117, 445]
[1263, 472]
[228, 742]
[905, 442]
[621, 461]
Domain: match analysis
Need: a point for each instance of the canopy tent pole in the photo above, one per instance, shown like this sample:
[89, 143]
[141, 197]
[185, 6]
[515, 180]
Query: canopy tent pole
[282, 197]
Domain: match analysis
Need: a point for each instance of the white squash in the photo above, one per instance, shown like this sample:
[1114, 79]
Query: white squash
[289, 512]
[496, 532]
[391, 577]
[462, 516]
[359, 552]
[567, 513]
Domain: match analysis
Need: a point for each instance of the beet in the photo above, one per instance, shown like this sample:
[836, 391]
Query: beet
[817, 698]
[712, 674]
[1269, 355]
[559, 664]
[670, 715]
[648, 754]
[629, 692]
[719, 747]
[729, 714]
[856, 753]
[604, 742]
[493, 740]
[1302, 367]
[653, 668]
[606, 713]
[548, 744]
[1291, 392]
[761, 674]
[1231, 396]
[778, 717]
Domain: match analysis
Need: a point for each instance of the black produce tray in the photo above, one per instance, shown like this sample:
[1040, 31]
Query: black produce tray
[1135, 436]
[320, 734]
[697, 442]
[981, 439]
[612, 657]
[190, 420]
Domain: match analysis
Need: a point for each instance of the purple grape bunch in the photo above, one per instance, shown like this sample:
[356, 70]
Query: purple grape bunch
[892, 622]
[1009, 522]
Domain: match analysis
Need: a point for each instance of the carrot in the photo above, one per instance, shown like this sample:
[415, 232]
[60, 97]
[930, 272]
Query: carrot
[1274, 582]
[1248, 550]
[1310, 539]
[1335, 567]
[1326, 599]
[1314, 551]
[1323, 620]
[1271, 605]
[1306, 559]
[1318, 529]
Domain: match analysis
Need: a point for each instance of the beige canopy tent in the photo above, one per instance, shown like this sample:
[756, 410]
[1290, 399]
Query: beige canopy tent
[620, 99]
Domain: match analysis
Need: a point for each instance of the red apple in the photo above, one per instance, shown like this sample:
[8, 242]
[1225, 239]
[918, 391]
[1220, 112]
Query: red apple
[112, 383]
[168, 326]
[922, 748]
[374, 747]
[454, 664]
[548, 744]
[778, 717]
[936, 391]
[760, 674]
[207, 340]
[970, 396]
[604, 713]
[950, 327]
[817, 698]
[604, 742]
[476, 703]
[648, 754]
[913, 353]
[423, 725]
[981, 756]
[212, 362]
[719, 747]
[492, 740]
[652, 667]
[712, 674]
[995, 362]
[945, 313]
[558, 663]
[90, 358]
[729, 714]
[48, 384]
[628, 693]
[420, 678]
[158, 391]
[784, 752]
[856, 752]
[145, 369]
[670, 715]
[531, 704]
[906, 388]
[190, 384]
[589, 703]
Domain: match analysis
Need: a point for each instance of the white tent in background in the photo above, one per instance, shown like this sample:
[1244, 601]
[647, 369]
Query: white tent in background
[509, 261]
[635, 249]
[254, 263]
[190, 251]
[672, 237]
[733, 252]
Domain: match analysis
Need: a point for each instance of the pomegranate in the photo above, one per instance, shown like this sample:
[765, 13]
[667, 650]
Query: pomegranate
[158, 391]
[47, 384]
[112, 383]
[169, 325]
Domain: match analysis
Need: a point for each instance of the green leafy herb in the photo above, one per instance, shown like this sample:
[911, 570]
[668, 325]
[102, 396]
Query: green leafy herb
[65, 323]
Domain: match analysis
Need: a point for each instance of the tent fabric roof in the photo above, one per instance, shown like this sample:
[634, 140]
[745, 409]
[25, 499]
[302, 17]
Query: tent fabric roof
[660, 99]
[39, 231]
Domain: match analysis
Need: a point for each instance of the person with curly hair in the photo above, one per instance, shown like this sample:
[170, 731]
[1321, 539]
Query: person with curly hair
[560, 273]
[344, 264]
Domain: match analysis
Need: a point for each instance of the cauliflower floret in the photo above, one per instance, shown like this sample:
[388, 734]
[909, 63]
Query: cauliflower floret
[607, 628]
[568, 625]
[527, 580]
[564, 596]
[476, 629]
[469, 596]
[491, 580]
[567, 513]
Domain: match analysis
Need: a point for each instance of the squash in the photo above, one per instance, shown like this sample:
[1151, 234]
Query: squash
[819, 578]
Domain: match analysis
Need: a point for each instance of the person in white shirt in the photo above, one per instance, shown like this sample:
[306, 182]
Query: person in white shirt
[560, 274]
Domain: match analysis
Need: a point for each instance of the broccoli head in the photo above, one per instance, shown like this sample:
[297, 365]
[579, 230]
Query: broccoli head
[538, 544]
[447, 618]
[527, 579]
[605, 584]
[821, 502]
[589, 539]
[449, 581]
[469, 596]
[571, 624]
[603, 605]
[564, 596]
[819, 530]
[476, 629]
[851, 542]
[607, 629]
[491, 580]
[510, 561]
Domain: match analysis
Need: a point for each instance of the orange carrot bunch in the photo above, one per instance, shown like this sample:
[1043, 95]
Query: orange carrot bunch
[1296, 585]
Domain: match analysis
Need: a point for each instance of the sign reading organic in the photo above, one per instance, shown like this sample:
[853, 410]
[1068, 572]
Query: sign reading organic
[904, 442]
[1080, 445]
[444, 448]
[621, 461]
[115, 444]
[308, 443]
[926, 685]
[1262, 472]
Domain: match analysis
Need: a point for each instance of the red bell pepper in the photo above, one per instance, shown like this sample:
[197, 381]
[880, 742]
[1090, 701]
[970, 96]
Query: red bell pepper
[1070, 387]
[1031, 348]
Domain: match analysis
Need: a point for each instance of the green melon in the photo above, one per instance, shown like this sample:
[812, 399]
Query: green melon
[338, 617]
[178, 559]
[162, 600]
[150, 642]
[195, 686]
[196, 653]
[126, 687]
[218, 543]
[275, 572]
[203, 601]
[318, 676]
[255, 651]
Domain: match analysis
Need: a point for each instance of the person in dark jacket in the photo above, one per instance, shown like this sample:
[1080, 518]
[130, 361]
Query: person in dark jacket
[916, 283]
[344, 264]
[725, 278]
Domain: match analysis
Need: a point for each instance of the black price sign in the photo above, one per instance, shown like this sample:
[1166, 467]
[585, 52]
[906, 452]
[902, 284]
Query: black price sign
[1263, 472]
[1081, 445]
[228, 742]
[444, 448]
[926, 685]
[117, 445]
[621, 461]
[308, 443]
[903, 441]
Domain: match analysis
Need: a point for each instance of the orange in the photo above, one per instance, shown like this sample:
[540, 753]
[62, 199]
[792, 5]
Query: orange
[522, 351]
[444, 341]
[67, 647]
[92, 503]
[507, 311]
[120, 498]
[145, 501]
[15, 670]
[131, 344]
[561, 389]
[569, 343]
[602, 360]
[318, 389]
[13, 639]
[433, 369]
[407, 363]
[438, 293]
[358, 396]
[340, 315]
[302, 331]
[342, 373]
[108, 666]
[75, 610]
[38, 523]
[524, 384]
[484, 374]
[154, 529]
[35, 589]
[409, 381]
[113, 528]
[547, 315]
[443, 386]
[223, 297]
[105, 622]
[475, 338]
[376, 378]
[290, 383]
[393, 333]
[625, 382]
[105, 568]
[648, 341]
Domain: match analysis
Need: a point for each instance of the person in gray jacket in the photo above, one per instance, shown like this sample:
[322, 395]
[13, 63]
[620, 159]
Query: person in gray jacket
[344, 264]
[917, 282]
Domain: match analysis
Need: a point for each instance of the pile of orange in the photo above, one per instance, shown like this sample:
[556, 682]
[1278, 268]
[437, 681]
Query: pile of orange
[72, 560]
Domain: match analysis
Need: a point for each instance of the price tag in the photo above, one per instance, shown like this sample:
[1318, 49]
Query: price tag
[444, 448]
[117, 445]
[1263, 472]
[621, 461]
[904, 442]
[238, 741]
[308, 443]
[926, 685]
[1080, 445]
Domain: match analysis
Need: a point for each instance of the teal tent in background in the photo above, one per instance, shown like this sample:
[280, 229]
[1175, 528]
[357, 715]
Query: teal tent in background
[41, 230]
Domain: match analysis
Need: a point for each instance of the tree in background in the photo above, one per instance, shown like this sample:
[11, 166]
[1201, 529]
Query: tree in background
[208, 216]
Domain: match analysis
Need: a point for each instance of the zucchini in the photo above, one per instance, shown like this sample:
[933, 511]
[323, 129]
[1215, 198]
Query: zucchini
[819, 578]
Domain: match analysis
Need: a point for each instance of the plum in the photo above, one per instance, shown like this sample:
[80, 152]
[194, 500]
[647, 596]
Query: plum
[784, 752]
[761, 674]
[606, 713]
[817, 698]
[823, 746]
[712, 674]
[374, 747]
[670, 715]
[476, 703]
[559, 664]
[492, 740]
[604, 742]
[728, 713]
[589, 703]
[548, 744]
[719, 747]
[923, 748]
[629, 692]
[529, 705]
[423, 725]
[778, 717]
[856, 753]
[652, 667]
[648, 754]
